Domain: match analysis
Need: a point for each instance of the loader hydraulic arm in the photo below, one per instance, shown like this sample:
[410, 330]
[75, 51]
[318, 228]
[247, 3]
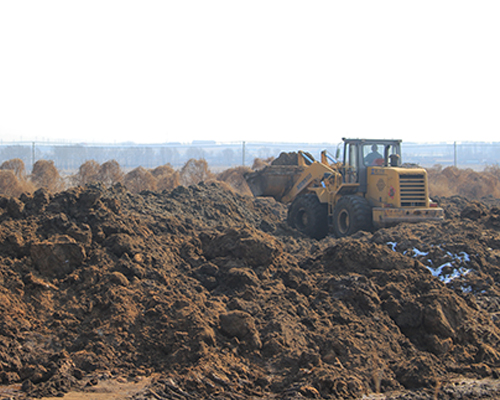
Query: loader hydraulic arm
[311, 176]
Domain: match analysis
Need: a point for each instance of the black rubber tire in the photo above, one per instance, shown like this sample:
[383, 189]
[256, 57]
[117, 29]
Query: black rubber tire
[309, 216]
[350, 215]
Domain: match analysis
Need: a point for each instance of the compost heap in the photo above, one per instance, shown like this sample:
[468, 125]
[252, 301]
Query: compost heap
[210, 292]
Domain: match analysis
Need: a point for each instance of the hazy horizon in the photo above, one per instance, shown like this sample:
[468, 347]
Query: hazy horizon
[281, 71]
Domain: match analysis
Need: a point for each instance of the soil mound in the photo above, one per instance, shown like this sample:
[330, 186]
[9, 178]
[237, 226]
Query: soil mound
[291, 158]
[212, 292]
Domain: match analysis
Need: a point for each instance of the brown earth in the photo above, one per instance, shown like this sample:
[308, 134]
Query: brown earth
[205, 293]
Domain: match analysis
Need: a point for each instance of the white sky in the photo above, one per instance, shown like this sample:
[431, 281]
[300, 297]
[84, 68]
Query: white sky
[295, 71]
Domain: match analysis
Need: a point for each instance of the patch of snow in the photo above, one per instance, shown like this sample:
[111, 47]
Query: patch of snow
[456, 272]
[393, 245]
[454, 268]
[417, 252]
[466, 289]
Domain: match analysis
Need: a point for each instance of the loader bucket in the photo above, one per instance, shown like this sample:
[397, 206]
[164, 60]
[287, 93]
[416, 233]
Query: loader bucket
[274, 180]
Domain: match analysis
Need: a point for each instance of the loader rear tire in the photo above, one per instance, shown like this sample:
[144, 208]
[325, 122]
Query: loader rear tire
[350, 215]
[309, 216]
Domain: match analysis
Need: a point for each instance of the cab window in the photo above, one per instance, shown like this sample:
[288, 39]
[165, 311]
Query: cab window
[373, 154]
[351, 163]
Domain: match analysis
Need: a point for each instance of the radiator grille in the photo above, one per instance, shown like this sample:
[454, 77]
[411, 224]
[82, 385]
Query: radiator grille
[413, 192]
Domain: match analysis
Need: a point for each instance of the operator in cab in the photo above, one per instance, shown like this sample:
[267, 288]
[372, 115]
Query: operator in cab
[374, 158]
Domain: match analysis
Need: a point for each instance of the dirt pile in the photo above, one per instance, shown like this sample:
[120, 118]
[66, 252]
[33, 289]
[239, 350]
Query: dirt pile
[211, 291]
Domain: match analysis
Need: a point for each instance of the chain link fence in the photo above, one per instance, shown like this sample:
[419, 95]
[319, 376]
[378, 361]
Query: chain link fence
[69, 157]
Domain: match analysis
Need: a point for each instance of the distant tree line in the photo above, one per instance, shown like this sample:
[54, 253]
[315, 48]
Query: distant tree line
[68, 157]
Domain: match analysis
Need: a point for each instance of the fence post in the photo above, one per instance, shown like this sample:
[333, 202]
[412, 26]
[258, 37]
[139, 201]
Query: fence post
[243, 154]
[455, 154]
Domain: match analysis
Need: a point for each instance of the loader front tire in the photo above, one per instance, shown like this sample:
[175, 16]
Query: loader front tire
[309, 216]
[350, 215]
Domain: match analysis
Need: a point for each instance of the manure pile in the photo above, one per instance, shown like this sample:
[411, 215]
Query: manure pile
[213, 295]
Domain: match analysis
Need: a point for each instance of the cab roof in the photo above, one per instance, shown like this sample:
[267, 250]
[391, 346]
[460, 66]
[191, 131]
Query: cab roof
[371, 141]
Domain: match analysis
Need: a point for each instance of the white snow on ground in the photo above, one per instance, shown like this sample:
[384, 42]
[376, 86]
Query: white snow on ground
[447, 277]
[393, 245]
[466, 289]
[445, 272]
[417, 252]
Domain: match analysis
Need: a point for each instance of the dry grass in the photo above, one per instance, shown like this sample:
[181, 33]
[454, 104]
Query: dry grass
[110, 173]
[464, 182]
[13, 180]
[494, 170]
[235, 178]
[167, 177]
[10, 186]
[45, 175]
[140, 179]
[16, 165]
[195, 171]
[168, 182]
[163, 170]
[87, 173]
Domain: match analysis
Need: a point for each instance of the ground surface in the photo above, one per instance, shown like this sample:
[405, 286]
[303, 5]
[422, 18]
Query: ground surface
[200, 292]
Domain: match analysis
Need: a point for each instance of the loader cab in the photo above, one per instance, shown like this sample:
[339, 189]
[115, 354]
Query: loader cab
[361, 154]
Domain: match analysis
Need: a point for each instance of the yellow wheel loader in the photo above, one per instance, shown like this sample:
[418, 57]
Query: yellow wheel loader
[369, 189]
